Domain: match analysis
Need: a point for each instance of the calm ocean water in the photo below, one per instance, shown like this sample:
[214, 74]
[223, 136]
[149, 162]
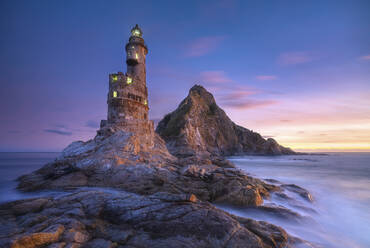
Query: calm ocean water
[339, 183]
[15, 164]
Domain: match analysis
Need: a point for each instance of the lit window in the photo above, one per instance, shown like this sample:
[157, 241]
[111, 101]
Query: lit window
[129, 80]
[137, 56]
[114, 93]
[145, 102]
[115, 78]
[136, 32]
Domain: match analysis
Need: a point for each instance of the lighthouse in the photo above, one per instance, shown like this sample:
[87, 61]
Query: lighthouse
[128, 94]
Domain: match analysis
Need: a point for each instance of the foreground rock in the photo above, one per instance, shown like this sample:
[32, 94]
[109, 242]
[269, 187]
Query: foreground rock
[199, 126]
[120, 219]
[113, 157]
[118, 160]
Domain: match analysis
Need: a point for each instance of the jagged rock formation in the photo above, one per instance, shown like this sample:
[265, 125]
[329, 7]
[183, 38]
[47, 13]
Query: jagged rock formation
[119, 219]
[115, 157]
[141, 163]
[199, 127]
[172, 209]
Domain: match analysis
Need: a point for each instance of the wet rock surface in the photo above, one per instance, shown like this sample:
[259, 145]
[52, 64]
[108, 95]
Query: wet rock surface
[199, 126]
[281, 212]
[204, 178]
[142, 164]
[163, 190]
[299, 190]
[120, 219]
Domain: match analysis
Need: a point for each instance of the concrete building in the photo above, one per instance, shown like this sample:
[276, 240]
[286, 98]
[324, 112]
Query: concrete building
[128, 94]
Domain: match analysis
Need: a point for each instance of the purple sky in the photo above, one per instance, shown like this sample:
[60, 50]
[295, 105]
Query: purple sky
[298, 71]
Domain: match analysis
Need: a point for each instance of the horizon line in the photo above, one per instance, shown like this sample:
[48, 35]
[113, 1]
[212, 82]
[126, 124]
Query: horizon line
[297, 150]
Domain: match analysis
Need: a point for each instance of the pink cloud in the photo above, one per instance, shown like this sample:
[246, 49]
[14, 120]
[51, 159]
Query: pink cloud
[266, 77]
[229, 93]
[236, 95]
[248, 104]
[203, 45]
[214, 77]
[366, 57]
[294, 58]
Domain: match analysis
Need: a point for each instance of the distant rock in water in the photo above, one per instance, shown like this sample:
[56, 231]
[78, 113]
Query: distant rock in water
[200, 127]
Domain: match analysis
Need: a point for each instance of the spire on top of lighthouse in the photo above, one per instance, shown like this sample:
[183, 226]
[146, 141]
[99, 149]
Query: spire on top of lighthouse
[136, 31]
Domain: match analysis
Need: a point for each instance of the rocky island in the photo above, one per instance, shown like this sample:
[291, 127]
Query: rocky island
[199, 126]
[133, 186]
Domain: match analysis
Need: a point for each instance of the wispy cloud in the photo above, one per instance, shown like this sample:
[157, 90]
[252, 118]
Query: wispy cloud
[248, 103]
[266, 77]
[235, 95]
[56, 131]
[92, 124]
[203, 46]
[214, 77]
[366, 57]
[61, 126]
[229, 93]
[294, 58]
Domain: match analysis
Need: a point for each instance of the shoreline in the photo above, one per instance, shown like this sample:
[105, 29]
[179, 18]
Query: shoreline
[250, 212]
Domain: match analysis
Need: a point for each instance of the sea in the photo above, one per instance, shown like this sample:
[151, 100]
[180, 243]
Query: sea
[338, 216]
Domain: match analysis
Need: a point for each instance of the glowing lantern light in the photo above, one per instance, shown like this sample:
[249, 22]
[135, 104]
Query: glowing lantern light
[136, 31]
[137, 56]
[129, 80]
[115, 78]
[114, 93]
[145, 102]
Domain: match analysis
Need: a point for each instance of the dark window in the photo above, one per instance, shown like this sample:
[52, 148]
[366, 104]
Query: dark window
[134, 97]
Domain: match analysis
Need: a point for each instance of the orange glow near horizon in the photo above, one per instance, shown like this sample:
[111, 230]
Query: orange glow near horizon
[328, 147]
[313, 142]
[339, 122]
[324, 136]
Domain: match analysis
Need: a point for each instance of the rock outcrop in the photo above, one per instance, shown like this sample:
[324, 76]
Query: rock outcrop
[89, 218]
[114, 157]
[162, 196]
[142, 164]
[199, 126]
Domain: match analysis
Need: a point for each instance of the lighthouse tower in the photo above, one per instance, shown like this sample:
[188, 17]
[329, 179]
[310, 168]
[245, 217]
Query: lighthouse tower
[128, 94]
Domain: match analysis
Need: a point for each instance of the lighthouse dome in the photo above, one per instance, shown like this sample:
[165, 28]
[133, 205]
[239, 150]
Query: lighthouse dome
[136, 31]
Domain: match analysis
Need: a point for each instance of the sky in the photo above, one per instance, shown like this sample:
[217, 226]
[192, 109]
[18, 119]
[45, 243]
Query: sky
[296, 71]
